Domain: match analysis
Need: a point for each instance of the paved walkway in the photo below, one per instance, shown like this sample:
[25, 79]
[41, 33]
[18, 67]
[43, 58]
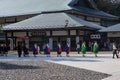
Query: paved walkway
[103, 63]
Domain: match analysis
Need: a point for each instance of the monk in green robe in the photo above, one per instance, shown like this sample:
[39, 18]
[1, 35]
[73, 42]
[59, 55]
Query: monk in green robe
[95, 49]
[83, 49]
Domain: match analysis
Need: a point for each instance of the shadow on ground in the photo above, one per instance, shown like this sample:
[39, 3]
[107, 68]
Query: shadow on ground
[76, 60]
[4, 66]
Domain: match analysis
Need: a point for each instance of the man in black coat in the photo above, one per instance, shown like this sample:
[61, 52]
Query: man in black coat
[19, 50]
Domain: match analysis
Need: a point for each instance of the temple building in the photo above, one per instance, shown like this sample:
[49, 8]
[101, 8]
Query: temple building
[53, 21]
[113, 33]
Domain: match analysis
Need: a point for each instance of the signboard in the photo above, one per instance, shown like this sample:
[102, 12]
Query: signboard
[80, 32]
[95, 36]
[38, 33]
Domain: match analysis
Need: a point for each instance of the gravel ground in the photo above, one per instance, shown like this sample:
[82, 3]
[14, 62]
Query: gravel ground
[41, 70]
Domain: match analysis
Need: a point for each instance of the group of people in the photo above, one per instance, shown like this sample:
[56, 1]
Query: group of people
[36, 49]
[67, 49]
[83, 48]
[59, 50]
[25, 49]
[47, 50]
[4, 49]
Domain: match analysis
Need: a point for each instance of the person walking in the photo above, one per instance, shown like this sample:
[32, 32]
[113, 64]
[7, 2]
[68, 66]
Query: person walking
[44, 49]
[38, 48]
[47, 50]
[35, 50]
[83, 49]
[19, 50]
[6, 49]
[118, 48]
[78, 48]
[59, 50]
[114, 50]
[25, 50]
[95, 49]
[67, 49]
[91, 46]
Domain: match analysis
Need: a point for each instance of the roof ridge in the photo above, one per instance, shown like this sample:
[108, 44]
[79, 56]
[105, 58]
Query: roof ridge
[93, 5]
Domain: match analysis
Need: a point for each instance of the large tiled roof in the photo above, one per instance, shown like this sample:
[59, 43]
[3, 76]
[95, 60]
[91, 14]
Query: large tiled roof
[51, 20]
[114, 28]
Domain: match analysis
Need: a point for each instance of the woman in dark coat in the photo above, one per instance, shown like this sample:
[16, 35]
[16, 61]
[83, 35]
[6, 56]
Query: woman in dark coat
[6, 48]
[25, 50]
[19, 50]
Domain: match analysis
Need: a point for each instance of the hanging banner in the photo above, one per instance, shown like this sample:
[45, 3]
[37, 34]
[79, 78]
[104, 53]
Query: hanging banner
[2, 36]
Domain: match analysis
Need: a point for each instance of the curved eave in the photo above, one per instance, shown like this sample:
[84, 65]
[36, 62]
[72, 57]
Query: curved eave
[109, 31]
[106, 16]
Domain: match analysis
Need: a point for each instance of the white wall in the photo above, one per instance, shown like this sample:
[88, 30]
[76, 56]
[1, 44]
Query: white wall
[59, 33]
[8, 34]
[19, 34]
[113, 34]
[72, 32]
[48, 33]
